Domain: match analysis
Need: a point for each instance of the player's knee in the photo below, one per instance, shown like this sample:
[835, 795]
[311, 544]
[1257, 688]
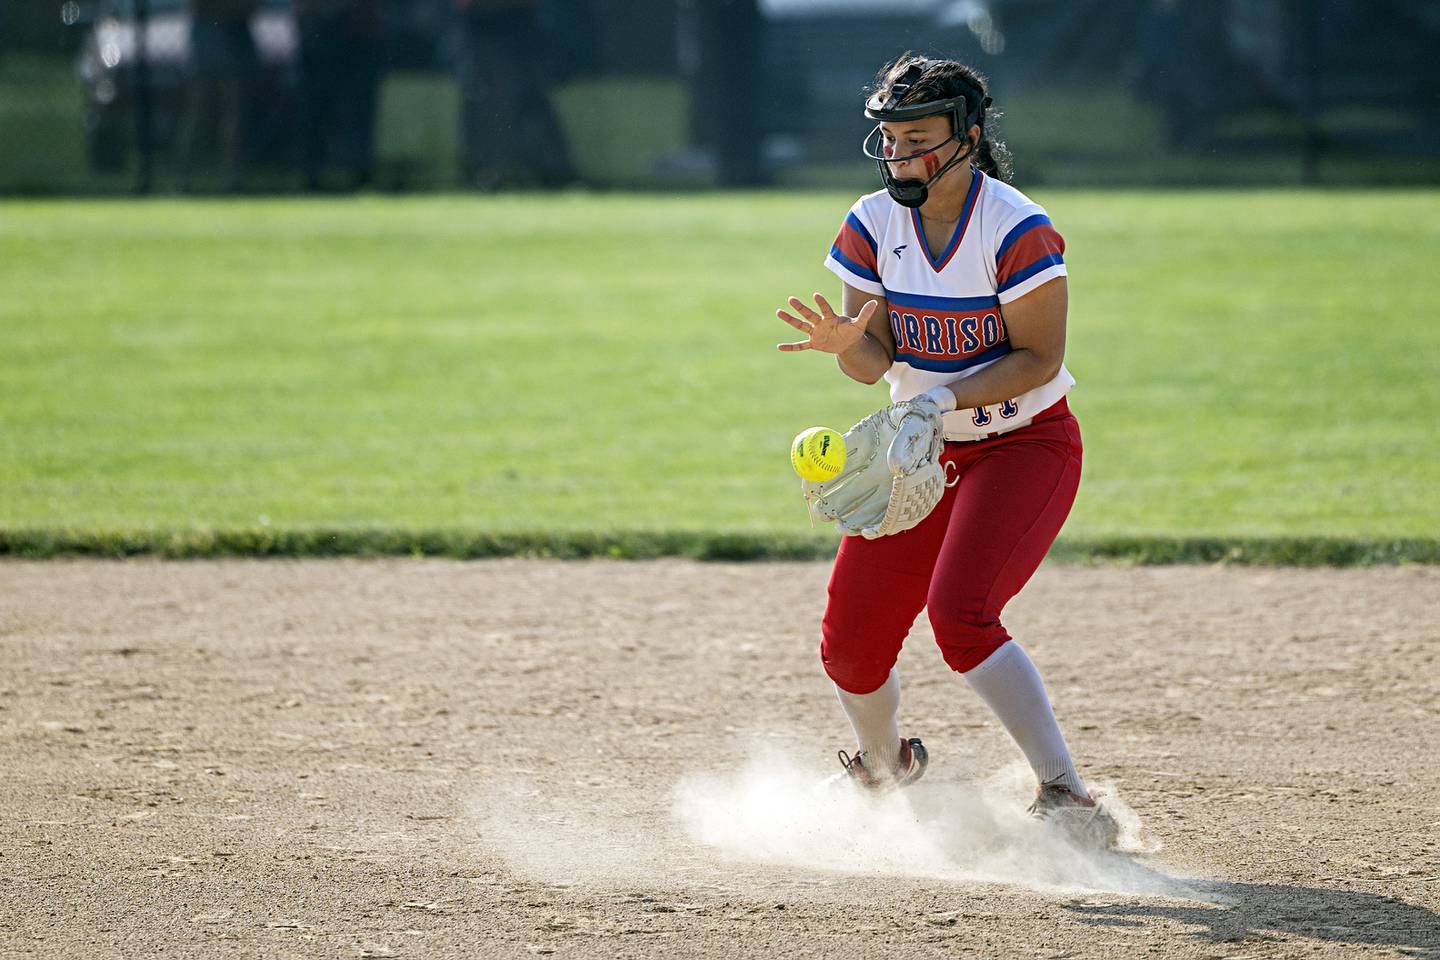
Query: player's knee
[852, 669]
[859, 645]
[965, 633]
[858, 661]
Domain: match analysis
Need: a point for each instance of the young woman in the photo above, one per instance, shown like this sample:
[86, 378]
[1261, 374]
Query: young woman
[954, 288]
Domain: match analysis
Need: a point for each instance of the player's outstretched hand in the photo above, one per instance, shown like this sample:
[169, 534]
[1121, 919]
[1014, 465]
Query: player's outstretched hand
[825, 331]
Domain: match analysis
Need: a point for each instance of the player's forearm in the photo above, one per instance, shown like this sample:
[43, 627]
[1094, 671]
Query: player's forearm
[1019, 371]
[867, 361]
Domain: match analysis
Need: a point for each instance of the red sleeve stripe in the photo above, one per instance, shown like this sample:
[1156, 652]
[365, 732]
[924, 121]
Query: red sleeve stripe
[1037, 243]
[856, 244]
[854, 223]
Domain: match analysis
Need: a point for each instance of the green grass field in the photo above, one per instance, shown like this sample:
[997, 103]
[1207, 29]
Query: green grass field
[1250, 364]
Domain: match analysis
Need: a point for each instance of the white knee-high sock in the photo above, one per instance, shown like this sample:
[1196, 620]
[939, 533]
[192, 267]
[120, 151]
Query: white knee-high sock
[874, 718]
[1011, 686]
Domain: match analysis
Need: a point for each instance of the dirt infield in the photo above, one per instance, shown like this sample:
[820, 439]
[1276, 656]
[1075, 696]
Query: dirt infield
[505, 759]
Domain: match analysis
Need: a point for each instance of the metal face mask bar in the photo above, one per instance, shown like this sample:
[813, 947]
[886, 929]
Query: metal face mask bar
[913, 192]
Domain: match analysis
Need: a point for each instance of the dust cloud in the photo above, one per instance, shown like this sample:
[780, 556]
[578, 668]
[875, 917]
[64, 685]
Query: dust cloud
[965, 833]
[768, 815]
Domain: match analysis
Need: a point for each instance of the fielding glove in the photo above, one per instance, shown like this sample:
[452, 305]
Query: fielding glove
[893, 476]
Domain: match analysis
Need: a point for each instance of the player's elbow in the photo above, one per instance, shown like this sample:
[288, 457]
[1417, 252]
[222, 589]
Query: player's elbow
[860, 373]
[1047, 365]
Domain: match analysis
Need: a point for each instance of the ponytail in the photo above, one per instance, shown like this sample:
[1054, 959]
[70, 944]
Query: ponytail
[993, 157]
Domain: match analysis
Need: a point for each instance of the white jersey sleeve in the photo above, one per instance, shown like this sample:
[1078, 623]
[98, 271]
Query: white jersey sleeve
[853, 256]
[1027, 251]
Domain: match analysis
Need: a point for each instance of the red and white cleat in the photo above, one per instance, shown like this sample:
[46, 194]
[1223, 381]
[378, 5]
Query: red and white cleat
[1081, 819]
[909, 768]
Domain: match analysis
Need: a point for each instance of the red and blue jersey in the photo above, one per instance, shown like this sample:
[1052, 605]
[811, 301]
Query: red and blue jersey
[946, 306]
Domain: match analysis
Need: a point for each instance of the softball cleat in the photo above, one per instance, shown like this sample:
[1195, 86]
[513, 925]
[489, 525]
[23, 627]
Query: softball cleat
[909, 768]
[1080, 819]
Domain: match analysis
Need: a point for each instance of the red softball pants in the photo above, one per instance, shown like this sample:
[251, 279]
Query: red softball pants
[963, 563]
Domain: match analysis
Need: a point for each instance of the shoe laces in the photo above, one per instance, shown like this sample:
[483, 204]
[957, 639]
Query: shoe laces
[855, 766]
[1054, 794]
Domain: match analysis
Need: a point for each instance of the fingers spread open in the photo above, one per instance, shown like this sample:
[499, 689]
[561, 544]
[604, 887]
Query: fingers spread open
[824, 305]
[795, 322]
[800, 307]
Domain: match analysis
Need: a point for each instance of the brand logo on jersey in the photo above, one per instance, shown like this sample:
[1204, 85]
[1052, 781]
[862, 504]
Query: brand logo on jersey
[897, 250]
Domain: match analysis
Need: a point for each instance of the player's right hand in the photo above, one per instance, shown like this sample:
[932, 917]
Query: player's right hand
[825, 331]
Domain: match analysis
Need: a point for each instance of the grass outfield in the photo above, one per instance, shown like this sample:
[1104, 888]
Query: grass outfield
[1261, 365]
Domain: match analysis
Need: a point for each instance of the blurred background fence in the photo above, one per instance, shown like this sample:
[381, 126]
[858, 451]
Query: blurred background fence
[124, 96]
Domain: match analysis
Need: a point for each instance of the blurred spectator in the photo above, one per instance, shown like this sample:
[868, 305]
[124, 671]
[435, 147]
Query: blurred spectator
[223, 66]
[510, 136]
[340, 52]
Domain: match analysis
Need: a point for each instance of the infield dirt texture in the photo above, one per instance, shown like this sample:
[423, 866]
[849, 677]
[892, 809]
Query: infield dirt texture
[518, 758]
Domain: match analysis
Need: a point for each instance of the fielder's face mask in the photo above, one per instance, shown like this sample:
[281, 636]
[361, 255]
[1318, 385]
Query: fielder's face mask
[964, 112]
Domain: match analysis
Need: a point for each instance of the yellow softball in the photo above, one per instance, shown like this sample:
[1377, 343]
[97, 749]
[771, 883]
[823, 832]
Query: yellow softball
[818, 454]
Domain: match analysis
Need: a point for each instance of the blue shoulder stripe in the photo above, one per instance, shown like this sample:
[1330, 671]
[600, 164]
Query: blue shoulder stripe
[1021, 228]
[1020, 276]
[854, 221]
[859, 270]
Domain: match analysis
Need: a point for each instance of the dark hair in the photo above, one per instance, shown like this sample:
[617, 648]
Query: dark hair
[942, 79]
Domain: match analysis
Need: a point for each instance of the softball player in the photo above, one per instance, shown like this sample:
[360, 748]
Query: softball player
[955, 288]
